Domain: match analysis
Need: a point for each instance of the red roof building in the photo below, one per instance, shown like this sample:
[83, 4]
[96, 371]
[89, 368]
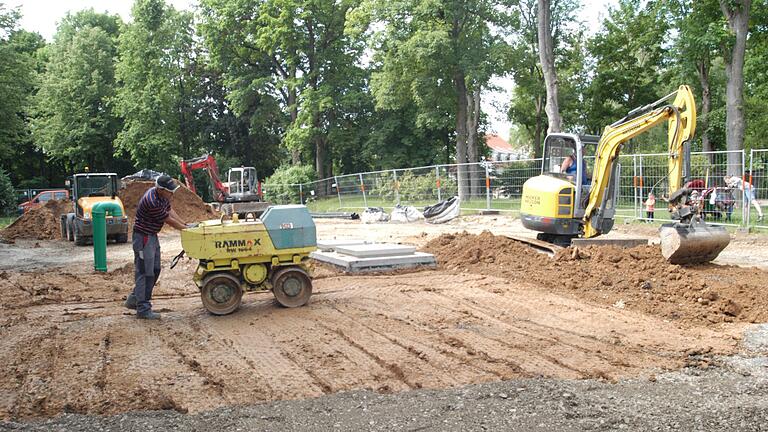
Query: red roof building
[500, 148]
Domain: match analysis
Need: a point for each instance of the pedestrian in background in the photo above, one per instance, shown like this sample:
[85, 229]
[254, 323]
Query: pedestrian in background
[650, 206]
[748, 190]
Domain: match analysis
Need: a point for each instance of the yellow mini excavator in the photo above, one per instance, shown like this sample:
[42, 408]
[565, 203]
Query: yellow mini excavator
[562, 204]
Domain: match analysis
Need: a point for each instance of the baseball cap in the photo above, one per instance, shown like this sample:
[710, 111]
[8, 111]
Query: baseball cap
[167, 183]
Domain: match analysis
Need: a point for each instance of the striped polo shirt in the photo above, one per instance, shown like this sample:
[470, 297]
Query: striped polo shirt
[151, 213]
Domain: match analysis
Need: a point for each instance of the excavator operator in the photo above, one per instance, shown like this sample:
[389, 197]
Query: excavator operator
[568, 167]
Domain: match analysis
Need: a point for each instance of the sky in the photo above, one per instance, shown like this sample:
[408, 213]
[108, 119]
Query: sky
[42, 16]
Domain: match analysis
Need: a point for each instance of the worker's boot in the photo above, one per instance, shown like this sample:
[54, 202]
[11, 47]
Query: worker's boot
[148, 316]
[130, 302]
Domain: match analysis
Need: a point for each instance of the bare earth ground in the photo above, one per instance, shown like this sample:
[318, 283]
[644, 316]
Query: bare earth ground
[70, 347]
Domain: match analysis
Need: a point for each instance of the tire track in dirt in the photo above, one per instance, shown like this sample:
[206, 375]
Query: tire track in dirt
[308, 342]
[483, 365]
[456, 329]
[411, 339]
[515, 360]
[253, 358]
[583, 362]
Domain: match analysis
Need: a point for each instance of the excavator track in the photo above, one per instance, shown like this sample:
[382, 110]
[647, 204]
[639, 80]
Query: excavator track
[540, 245]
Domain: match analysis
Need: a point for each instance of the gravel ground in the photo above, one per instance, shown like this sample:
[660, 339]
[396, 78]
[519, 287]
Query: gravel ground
[717, 398]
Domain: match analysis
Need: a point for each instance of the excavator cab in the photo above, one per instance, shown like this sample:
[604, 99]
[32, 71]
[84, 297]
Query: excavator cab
[554, 202]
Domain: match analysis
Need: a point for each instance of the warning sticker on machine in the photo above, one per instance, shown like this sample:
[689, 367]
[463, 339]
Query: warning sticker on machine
[287, 225]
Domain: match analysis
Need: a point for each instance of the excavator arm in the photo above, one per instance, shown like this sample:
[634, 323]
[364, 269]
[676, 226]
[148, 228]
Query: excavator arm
[681, 117]
[208, 163]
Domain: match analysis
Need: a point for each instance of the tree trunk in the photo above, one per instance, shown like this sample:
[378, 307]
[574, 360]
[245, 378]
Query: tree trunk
[737, 14]
[473, 118]
[461, 132]
[295, 153]
[547, 57]
[706, 104]
[538, 148]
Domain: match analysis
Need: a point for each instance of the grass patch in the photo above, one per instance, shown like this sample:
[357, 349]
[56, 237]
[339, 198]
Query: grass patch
[6, 220]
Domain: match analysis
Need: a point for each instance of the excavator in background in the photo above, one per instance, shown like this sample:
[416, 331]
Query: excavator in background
[562, 206]
[241, 194]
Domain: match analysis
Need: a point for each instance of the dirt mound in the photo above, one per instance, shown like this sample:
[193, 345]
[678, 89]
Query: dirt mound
[41, 223]
[187, 204]
[637, 278]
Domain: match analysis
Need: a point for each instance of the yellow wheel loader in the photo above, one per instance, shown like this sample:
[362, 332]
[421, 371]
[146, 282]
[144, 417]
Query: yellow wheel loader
[562, 204]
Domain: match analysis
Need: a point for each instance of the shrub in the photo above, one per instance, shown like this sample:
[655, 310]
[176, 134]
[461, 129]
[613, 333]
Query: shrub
[280, 187]
[7, 195]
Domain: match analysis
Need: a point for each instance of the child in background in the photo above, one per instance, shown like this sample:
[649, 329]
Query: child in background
[650, 206]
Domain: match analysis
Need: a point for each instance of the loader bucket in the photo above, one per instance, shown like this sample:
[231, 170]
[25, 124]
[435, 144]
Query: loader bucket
[692, 243]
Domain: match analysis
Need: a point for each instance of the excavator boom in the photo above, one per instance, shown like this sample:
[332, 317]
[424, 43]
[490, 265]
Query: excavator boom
[688, 240]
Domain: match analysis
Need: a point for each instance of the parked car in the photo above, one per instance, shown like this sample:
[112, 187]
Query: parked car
[42, 198]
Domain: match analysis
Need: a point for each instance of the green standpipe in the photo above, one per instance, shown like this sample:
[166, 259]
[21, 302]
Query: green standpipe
[99, 215]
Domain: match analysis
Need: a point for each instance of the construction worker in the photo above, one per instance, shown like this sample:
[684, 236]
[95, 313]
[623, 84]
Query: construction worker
[154, 211]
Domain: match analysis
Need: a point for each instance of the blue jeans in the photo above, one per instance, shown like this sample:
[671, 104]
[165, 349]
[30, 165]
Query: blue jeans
[146, 263]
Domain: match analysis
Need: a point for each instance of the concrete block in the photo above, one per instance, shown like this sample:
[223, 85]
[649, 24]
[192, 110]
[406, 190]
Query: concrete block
[625, 243]
[330, 245]
[373, 264]
[375, 250]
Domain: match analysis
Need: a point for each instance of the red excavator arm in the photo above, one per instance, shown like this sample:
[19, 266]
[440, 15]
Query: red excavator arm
[208, 163]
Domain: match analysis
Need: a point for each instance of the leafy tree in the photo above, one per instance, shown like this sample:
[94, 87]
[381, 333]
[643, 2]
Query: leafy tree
[734, 50]
[547, 56]
[161, 90]
[756, 78]
[629, 53]
[437, 55]
[7, 195]
[527, 107]
[74, 119]
[16, 84]
[291, 60]
[700, 30]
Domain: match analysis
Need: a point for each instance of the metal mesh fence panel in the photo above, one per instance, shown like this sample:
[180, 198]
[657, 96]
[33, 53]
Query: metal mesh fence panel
[757, 177]
[498, 185]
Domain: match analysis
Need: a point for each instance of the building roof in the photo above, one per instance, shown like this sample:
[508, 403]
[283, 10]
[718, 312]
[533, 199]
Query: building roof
[498, 144]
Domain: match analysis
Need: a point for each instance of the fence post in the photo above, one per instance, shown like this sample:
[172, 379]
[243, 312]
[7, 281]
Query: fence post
[751, 185]
[487, 188]
[362, 188]
[397, 188]
[437, 177]
[301, 194]
[338, 189]
[746, 210]
[635, 183]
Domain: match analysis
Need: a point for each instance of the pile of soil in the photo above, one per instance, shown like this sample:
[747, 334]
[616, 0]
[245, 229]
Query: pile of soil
[186, 203]
[638, 278]
[41, 223]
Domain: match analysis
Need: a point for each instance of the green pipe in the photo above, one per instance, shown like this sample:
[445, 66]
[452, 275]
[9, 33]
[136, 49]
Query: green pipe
[99, 216]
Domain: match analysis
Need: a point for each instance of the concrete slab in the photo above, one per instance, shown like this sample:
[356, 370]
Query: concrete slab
[625, 243]
[374, 264]
[329, 245]
[375, 250]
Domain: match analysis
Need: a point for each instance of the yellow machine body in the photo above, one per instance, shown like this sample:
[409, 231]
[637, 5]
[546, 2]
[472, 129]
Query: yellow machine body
[547, 205]
[254, 254]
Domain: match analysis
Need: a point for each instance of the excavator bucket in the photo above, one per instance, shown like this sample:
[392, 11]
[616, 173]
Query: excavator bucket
[692, 243]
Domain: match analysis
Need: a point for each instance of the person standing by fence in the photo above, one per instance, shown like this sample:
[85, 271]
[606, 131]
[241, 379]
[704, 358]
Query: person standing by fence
[750, 198]
[650, 206]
